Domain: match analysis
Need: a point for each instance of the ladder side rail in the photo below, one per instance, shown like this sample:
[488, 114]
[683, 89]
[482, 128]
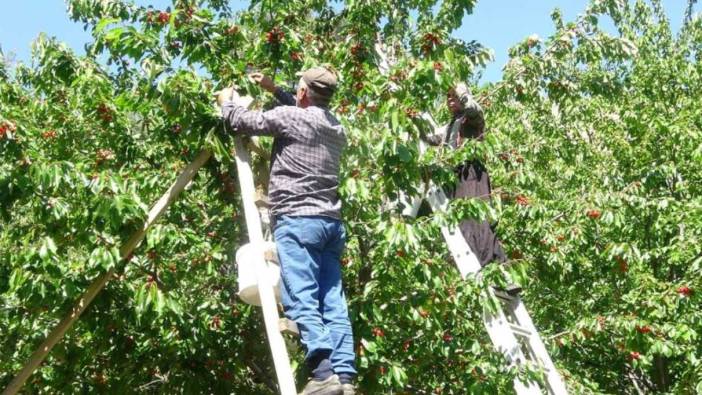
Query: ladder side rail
[271, 318]
[506, 342]
[99, 283]
[461, 252]
[553, 377]
[496, 323]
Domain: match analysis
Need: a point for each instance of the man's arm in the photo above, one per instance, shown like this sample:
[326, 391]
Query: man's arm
[283, 97]
[256, 123]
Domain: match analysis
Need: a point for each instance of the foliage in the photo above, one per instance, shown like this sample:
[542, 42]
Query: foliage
[594, 152]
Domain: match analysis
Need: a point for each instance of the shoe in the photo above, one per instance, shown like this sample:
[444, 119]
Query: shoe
[349, 389]
[511, 289]
[330, 386]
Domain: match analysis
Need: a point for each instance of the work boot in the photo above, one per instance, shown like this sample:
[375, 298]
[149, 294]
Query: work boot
[349, 389]
[511, 289]
[330, 386]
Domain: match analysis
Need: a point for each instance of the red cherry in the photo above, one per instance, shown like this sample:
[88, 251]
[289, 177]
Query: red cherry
[377, 332]
[522, 200]
[216, 322]
[643, 329]
[685, 291]
[356, 49]
[400, 253]
[296, 56]
[164, 17]
[516, 254]
[634, 355]
[382, 369]
[438, 67]
[447, 336]
[594, 214]
[406, 345]
[411, 113]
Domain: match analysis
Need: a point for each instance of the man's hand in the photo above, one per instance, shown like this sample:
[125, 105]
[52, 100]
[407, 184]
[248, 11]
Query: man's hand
[263, 81]
[226, 94]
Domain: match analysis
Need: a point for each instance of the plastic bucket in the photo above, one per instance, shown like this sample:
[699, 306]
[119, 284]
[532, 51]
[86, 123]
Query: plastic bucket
[246, 258]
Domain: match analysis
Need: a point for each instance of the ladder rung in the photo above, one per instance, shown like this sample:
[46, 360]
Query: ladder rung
[261, 201]
[288, 327]
[520, 330]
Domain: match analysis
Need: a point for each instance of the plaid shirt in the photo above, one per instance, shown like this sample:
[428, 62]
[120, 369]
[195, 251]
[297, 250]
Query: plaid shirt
[306, 152]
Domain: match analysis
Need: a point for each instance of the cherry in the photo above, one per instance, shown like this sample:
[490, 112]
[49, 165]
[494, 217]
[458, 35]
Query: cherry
[643, 329]
[164, 17]
[594, 214]
[216, 322]
[522, 200]
[447, 336]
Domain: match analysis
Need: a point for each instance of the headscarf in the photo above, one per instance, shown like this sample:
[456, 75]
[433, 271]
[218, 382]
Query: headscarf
[469, 110]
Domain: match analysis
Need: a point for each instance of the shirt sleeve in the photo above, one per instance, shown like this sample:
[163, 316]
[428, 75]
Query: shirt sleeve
[284, 98]
[274, 122]
[436, 138]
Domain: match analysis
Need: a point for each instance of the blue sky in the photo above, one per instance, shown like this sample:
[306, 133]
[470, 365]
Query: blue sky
[497, 24]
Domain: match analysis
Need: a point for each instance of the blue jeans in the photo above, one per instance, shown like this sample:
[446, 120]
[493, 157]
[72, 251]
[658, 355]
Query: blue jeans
[309, 251]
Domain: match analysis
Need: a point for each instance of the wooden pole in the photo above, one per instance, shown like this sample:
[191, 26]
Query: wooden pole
[281, 360]
[99, 283]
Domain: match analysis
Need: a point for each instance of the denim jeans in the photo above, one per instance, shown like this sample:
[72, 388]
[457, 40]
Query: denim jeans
[309, 251]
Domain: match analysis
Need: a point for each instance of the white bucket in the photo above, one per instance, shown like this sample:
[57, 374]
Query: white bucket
[246, 259]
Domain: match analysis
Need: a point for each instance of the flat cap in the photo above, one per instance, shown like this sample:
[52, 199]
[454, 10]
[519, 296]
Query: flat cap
[321, 80]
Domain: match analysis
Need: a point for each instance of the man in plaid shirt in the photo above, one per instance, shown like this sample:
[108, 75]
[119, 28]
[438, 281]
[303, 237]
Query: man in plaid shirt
[308, 231]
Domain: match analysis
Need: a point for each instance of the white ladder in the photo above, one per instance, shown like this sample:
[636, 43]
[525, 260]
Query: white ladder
[275, 325]
[510, 327]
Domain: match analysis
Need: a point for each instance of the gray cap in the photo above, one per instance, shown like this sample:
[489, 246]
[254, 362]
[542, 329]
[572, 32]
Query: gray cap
[321, 80]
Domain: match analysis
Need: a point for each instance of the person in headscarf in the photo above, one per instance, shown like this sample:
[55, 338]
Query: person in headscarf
[468, 123]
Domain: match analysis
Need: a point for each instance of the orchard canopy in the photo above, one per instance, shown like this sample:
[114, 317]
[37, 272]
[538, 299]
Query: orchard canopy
[594, 149]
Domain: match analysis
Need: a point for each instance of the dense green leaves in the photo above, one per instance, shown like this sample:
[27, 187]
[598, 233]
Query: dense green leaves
[594, 149]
